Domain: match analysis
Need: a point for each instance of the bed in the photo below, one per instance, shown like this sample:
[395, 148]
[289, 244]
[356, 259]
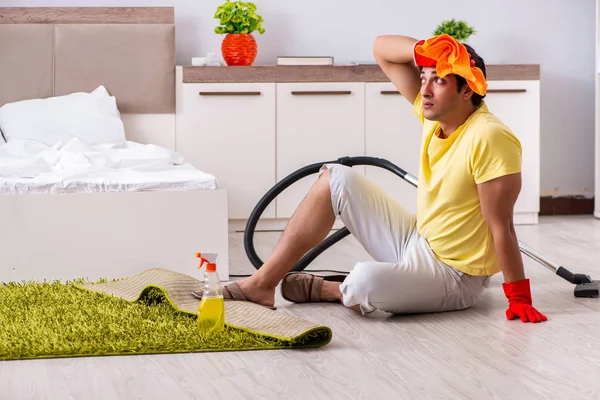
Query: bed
[91, 183]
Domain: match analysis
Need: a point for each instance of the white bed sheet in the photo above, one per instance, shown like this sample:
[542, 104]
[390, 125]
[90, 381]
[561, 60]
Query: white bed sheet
[31, 167]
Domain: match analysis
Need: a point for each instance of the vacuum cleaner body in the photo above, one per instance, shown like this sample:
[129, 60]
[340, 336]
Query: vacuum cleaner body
[584, 285]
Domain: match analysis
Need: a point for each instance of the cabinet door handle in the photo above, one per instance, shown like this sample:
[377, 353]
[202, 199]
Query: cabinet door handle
[320, 92]
[385, 92]
[229, 93]
[507, 90]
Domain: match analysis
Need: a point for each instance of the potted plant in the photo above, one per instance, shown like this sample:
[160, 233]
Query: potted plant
[237, 21]
[459, 30]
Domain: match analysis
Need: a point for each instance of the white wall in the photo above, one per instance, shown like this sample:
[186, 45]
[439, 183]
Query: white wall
[509, 31]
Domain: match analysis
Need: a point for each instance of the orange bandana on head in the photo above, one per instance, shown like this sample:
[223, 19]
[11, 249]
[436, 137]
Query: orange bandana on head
[448, 56]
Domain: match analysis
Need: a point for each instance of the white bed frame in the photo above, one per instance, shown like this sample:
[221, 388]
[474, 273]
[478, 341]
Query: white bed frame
[108, 234]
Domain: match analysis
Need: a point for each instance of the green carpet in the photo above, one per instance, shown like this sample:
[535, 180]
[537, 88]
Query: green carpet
[44, 320]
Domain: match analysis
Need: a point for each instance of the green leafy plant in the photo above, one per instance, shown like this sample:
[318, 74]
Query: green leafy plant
[238, 17]
[459, 30]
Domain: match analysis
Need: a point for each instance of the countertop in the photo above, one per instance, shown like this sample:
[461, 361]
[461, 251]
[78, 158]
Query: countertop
[331, 73]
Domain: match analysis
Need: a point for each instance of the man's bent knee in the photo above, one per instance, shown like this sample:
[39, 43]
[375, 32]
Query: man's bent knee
[341, 181]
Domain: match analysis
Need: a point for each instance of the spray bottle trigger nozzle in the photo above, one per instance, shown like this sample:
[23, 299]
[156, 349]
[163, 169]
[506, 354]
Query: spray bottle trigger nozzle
[209, 258]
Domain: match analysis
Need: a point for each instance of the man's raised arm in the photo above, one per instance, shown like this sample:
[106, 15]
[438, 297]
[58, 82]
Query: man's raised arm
[394, 54]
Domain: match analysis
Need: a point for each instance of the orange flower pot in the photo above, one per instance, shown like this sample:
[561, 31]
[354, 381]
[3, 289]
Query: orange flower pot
[239, 49]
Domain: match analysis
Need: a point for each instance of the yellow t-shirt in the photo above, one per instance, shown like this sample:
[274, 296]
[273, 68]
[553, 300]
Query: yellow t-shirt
[449, 216]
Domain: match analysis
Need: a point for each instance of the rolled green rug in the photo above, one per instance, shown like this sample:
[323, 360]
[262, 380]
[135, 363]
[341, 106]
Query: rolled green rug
[152, 312]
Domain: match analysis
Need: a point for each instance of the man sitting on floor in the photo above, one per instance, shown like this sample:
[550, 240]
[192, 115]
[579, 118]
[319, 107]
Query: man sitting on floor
[442, 258]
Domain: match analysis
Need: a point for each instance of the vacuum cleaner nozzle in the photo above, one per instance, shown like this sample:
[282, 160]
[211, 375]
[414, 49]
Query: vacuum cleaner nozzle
[584, 285]
[587, 289]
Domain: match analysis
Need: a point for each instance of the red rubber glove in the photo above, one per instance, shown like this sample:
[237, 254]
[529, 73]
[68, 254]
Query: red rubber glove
[519, 302]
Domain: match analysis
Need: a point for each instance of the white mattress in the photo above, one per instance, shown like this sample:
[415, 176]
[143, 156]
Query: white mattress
[31, 167]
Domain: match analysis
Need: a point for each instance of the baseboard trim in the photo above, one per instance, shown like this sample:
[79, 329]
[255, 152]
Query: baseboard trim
[566, 205]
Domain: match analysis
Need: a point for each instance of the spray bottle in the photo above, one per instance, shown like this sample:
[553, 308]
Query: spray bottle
[211, 311]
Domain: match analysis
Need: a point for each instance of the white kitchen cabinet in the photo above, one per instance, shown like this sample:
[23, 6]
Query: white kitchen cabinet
[228, 130]
[251, 135]
[393, 132]
[517, 104]
[316, 122]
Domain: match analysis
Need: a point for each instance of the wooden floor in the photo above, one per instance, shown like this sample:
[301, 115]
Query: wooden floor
[473, 354]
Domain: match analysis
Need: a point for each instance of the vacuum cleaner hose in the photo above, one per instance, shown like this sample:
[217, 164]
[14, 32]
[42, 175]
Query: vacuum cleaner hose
[290, 180]
[586, 287]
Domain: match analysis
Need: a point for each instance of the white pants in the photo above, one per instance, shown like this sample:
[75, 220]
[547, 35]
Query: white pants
[406, 276]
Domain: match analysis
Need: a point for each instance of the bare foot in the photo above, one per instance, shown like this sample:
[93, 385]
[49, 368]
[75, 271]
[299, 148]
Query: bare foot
[330, 291]
[256, 292]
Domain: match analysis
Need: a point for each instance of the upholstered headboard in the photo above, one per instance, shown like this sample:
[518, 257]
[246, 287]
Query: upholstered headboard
[130, 50]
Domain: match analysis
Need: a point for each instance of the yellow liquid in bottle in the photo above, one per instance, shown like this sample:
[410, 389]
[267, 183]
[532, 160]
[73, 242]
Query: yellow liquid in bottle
[211, 314]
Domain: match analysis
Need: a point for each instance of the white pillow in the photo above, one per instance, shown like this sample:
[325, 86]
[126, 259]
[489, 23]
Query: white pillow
[91, 117]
